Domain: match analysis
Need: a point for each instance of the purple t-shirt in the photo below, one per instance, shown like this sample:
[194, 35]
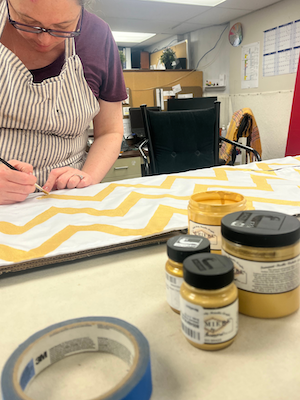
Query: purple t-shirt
[100, 58]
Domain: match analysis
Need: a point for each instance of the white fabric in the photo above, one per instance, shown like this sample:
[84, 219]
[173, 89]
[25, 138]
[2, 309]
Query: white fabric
[69, 221]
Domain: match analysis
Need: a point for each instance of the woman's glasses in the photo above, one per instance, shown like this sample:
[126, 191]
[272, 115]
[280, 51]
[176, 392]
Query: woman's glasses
[39, 29]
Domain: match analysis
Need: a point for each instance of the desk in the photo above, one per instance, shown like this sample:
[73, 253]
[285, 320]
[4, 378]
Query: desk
[127, 166]
[263, 363]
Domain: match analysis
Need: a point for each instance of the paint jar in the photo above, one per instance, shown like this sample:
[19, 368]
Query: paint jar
[206, 210]
[264, 247]
[178, 249]
[209, 301]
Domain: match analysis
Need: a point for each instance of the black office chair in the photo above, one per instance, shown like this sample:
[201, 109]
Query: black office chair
[136, 121]
[195, 103]
[180, 140]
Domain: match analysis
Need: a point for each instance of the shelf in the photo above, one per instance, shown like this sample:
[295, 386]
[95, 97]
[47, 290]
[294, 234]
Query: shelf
[214, 87]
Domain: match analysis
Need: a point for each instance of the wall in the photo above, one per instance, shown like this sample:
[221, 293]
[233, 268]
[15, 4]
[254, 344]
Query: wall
[271, 101]
[214, 63]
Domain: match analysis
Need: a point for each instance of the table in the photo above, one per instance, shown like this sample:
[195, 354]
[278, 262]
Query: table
[262, 363]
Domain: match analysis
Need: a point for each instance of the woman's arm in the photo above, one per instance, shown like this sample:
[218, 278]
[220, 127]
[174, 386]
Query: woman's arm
[108, 134]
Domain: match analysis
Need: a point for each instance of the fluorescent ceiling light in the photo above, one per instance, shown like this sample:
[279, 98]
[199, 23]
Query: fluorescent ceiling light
[208, 3]
[131, 37]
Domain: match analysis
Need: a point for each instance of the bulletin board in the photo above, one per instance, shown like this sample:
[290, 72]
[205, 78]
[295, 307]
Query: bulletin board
[281, 49]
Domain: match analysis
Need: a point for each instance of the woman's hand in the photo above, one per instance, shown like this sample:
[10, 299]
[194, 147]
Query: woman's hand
[15, 186]
[67, 178]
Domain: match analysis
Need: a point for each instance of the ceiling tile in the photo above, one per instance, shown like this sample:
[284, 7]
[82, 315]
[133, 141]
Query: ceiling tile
[138, 25]
[167, 19]
[218, 16]
[135, 9]
[246, 4]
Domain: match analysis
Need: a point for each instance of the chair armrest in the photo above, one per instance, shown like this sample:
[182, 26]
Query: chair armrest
[146, 170]
[144, 142]
[242, 146]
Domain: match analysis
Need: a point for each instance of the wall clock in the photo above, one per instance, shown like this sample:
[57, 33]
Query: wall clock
[235, 35]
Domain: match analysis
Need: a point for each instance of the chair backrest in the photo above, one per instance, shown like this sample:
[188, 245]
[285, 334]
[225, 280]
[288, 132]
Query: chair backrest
[195, 103]
[136, 120]
[182, 140]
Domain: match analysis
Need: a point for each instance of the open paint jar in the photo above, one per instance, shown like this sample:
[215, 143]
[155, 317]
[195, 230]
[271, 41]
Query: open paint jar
[206, 210]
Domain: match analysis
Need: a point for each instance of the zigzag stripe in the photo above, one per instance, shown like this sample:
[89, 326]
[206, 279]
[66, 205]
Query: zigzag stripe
[156, 225]
[261, 179]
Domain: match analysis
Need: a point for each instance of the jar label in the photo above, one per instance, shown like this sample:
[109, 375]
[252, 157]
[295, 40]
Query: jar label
[209, 325]
[173, 284]
[210, 232]
[265, 277]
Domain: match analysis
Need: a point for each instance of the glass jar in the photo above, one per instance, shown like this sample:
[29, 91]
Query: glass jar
[178, 249]
[206, 210]
[264, 247]
[209, 301]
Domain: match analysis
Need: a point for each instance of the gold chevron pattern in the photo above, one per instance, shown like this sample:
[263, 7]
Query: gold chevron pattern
[112, 213]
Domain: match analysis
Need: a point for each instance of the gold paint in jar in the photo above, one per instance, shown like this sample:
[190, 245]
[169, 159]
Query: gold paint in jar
[264, 247]
[209, 301]
[178, 249]
[206, 210]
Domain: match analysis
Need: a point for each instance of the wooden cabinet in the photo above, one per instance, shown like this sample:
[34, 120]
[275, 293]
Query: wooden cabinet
[142, 83]
[145, 60]
[140, 59]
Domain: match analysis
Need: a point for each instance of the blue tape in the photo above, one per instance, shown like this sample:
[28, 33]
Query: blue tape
[137, 385]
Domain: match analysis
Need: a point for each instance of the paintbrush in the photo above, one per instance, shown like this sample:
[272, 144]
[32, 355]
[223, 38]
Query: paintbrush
[15, 169]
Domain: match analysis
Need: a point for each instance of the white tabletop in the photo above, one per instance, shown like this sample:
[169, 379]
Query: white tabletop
[263, 362]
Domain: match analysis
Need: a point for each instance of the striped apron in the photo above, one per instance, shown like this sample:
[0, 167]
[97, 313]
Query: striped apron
[44, 124]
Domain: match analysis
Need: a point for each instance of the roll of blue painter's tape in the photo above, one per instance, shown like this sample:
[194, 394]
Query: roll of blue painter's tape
[102, 334]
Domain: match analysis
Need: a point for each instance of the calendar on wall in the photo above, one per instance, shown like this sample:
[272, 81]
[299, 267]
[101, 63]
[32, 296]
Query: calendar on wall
[281, 49]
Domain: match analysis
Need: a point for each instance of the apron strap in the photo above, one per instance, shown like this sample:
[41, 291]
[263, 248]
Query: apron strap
[3, 16]
[69, 48]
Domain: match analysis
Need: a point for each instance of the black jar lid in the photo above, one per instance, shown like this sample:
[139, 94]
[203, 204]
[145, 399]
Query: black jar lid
[260, 228]
[182, 246]
[208, 271]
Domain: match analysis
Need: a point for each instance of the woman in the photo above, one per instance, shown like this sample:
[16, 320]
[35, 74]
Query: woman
[59, 66]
